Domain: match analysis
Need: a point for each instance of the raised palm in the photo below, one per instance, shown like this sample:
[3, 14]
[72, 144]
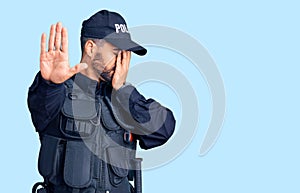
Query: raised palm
[54, 62]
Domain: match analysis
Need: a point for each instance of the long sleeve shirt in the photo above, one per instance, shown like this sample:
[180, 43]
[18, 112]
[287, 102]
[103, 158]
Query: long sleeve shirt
[151, 123]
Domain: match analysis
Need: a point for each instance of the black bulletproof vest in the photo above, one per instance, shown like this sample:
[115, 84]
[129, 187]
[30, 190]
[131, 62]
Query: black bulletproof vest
[87, 148]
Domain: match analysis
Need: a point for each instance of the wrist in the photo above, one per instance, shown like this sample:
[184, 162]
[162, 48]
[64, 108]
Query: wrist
[118, 86]
[122, 86]
[48, 82]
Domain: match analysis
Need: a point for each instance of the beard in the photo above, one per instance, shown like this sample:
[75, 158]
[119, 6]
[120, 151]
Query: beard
[103, 74]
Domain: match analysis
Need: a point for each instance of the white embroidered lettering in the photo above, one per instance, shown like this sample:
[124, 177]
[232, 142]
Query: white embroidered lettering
[121, 27]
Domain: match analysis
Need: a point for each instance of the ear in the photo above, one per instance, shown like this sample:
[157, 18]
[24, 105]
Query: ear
[89, 47]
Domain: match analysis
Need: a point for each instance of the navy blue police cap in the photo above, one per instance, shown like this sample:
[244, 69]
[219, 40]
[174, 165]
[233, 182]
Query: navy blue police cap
[111, 27]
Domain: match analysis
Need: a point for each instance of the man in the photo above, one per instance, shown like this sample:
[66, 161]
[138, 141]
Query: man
[88, 118]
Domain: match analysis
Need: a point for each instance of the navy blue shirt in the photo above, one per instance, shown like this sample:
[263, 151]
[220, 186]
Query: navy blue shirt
[151, 123]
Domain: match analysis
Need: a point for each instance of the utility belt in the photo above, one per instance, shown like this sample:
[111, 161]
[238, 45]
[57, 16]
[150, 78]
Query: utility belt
[92, 153]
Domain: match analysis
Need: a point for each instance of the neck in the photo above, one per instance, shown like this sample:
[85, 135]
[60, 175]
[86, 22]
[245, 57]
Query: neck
[89, 72]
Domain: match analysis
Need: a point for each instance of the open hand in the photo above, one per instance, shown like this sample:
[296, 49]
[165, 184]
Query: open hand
[122, 66]
[54, 62]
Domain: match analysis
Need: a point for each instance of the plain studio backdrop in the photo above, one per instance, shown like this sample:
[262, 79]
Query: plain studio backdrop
[255, 45]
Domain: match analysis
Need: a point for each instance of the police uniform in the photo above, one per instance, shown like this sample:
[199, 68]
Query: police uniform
[89, 133]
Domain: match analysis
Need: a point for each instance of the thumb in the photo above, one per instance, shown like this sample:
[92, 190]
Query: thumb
[77, 68]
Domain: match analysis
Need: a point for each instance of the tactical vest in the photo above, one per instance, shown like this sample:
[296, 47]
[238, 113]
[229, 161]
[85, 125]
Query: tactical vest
[89, 150]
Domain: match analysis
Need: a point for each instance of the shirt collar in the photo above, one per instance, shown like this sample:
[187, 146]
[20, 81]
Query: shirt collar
[87, 85]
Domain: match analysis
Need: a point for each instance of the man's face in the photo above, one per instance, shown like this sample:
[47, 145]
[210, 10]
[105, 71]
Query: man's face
[104, 60]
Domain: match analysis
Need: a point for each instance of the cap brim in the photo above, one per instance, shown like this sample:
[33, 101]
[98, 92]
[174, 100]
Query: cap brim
[127, 44]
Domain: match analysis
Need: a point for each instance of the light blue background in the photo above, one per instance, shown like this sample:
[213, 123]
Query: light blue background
[256, 47]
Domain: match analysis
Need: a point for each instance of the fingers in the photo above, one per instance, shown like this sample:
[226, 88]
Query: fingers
[123, 60]
[122, 66]
[58, 34]
[51, 38]
[119, 57]
[58, 38]
[43, 43]
[126, 55]
[64, 40]
[118, 62]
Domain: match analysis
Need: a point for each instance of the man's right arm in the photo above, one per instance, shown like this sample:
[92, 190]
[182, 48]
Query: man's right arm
[46, 94]
[45, 100]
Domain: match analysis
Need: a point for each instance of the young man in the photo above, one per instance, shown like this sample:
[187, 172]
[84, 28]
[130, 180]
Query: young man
[88, 118]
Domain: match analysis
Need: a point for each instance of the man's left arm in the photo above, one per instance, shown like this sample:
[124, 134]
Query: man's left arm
[149, 121]
[152, 123]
